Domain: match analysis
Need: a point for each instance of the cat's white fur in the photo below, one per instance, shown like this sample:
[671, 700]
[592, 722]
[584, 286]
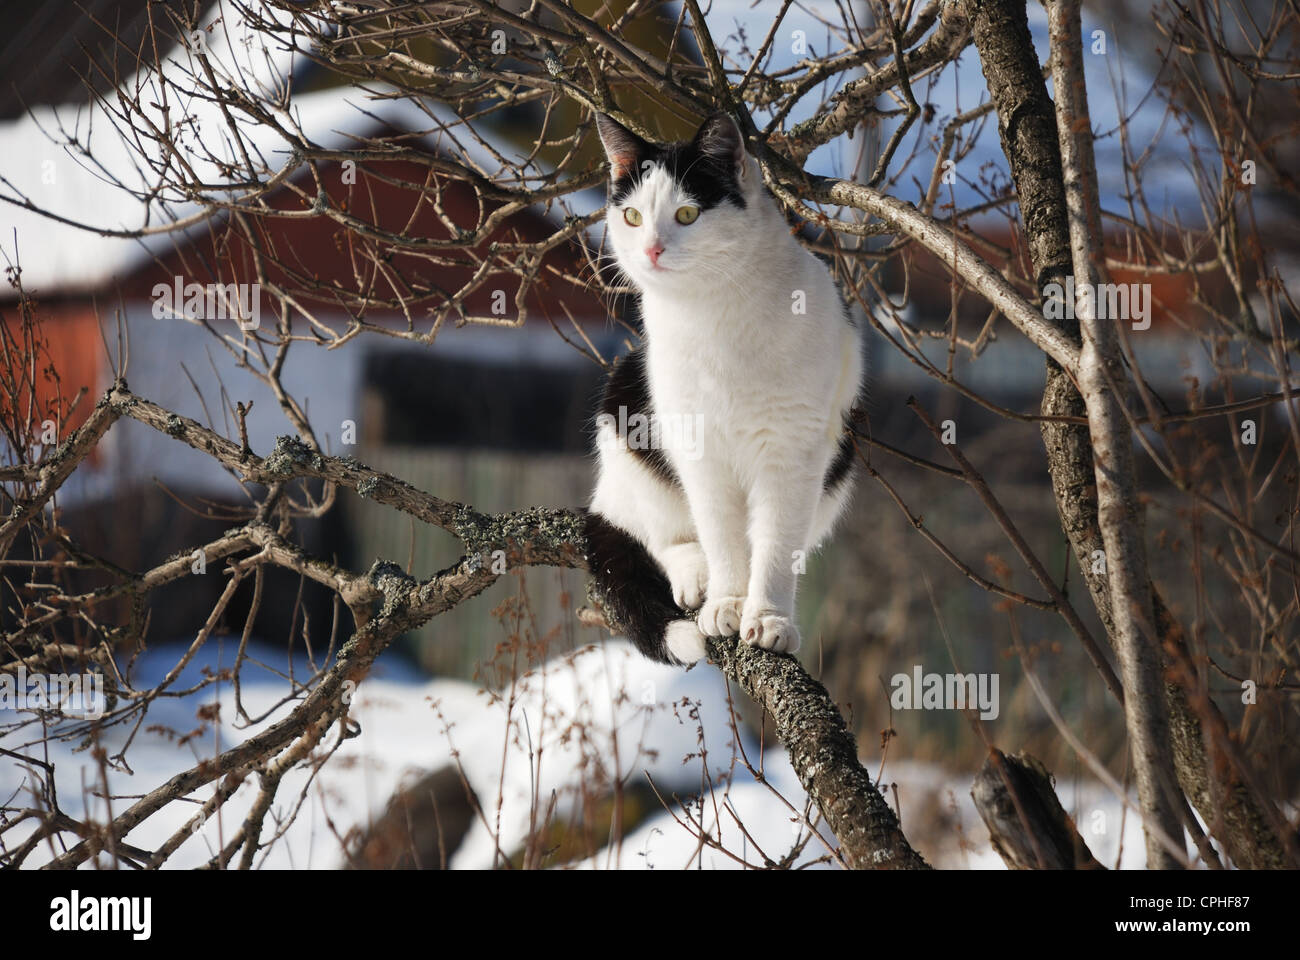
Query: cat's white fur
[771, 386]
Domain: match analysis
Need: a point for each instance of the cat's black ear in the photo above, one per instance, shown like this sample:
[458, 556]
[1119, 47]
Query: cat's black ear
[719, 138]
[623, 147]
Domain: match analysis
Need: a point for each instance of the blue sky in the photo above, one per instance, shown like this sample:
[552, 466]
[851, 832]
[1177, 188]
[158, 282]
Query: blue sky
[1113, 78]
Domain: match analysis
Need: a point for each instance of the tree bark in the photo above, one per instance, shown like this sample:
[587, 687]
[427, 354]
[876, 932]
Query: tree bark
[1105, 389]
[1028, 827]
[823, 753]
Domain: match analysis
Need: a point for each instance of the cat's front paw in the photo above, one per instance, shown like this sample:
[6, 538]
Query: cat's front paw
[720, 616]
[688, 573]
[770, 630]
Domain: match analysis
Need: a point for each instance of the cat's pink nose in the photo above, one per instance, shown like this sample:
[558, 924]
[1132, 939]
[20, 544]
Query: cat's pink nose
[653, 253]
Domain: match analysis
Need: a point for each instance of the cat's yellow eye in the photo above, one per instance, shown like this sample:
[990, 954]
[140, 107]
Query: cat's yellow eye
[632, 216]
[687, 215]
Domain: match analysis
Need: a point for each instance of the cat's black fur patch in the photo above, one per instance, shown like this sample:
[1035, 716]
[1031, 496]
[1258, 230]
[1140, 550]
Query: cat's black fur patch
[630, 586]
[629, 387]
[840, 466]
[706, 176]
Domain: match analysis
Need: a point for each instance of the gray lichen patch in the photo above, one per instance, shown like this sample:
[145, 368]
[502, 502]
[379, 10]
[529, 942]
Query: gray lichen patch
[290, 453]
[546, 527]
[394, 583]
[175, 426]
[121, 406]
[367, 486]
[803, 128]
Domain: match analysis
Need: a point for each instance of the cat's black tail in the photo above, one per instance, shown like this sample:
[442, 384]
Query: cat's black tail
[631, 587]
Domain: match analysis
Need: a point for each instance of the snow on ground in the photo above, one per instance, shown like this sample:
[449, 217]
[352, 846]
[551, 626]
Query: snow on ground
[599, 713]
[597, 705]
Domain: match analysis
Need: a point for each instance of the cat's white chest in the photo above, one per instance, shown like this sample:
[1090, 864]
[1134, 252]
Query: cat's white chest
[699, 372]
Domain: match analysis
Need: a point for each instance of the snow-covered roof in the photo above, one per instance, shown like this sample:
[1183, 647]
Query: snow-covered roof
[61, 257]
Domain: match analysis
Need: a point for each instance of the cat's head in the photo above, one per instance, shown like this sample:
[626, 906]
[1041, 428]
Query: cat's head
[678, 214]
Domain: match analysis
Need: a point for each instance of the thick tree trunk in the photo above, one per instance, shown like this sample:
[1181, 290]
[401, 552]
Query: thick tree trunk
[1104, 385]
[1029, 140]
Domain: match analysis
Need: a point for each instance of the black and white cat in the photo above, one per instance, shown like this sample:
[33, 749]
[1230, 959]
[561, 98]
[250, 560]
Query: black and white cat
[748, 373]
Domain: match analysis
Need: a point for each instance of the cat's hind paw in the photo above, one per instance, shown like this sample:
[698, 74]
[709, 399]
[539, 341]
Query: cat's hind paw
[685, 642]
[720, 617]
[769, 630]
